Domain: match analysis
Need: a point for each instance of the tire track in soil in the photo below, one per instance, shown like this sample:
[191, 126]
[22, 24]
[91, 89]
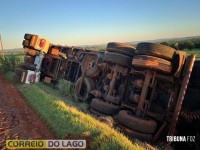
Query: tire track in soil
[17, 118]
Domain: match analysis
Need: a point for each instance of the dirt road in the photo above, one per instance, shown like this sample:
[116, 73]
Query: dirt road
[17, 119]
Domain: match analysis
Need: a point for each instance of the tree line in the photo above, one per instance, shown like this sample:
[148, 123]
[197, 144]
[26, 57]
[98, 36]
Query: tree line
[181, 45]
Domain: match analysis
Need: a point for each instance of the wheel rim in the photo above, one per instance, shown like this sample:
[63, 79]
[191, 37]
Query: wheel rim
[90, 63]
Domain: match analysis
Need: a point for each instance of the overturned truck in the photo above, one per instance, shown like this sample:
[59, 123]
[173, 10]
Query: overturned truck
[143, 88]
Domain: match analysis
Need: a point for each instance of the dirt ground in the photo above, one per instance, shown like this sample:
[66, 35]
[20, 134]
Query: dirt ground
[17, 119]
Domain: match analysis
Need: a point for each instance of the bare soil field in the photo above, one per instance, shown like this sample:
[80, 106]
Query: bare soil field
[17, 119]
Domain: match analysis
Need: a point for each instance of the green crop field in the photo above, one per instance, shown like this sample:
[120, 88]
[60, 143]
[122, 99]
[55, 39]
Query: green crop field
[194, 51]
[9, 61]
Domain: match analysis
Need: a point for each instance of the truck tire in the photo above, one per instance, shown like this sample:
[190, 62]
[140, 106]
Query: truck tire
[93, 111]
[134, 134]
[27, 36]
[119, 59]
[151, 62]
[136, 124]
[26, 43]
[104, 107]
[121, 48]
[90, 66]
[87, 85]
[157, 50]
[18, 71]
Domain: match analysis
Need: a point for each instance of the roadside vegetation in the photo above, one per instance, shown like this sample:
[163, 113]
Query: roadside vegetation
[194, 51]
[185, 43]
[10, 62]
[67, 120]
[189, 45]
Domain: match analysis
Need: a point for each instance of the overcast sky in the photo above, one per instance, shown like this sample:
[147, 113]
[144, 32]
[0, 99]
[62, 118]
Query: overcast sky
[81, 22]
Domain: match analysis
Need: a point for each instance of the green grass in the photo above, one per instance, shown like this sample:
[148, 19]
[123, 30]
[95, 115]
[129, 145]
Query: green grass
[194, 51]
[67, 120]
[70, 100]
[9, 75]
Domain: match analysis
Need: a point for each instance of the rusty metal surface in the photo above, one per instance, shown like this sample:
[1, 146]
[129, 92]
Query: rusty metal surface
[143, 95]
[188, 69]
[180, 62]
[159, 132]
[72, 71]
[114, 83]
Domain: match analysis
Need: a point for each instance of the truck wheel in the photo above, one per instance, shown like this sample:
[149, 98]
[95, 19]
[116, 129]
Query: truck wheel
[90, 65]
[27, 36]
[93, 111]
[137, 124]
[26, 43]
[104, 107]
[157, 50]
[18, 71]
[119, 59]
[135, 134]
[121, 48]
[87, 85]
[151, 62]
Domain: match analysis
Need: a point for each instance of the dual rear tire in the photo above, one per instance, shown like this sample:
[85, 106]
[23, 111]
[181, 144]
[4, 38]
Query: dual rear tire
[104, 107]
[134, 127]
[154, 56]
